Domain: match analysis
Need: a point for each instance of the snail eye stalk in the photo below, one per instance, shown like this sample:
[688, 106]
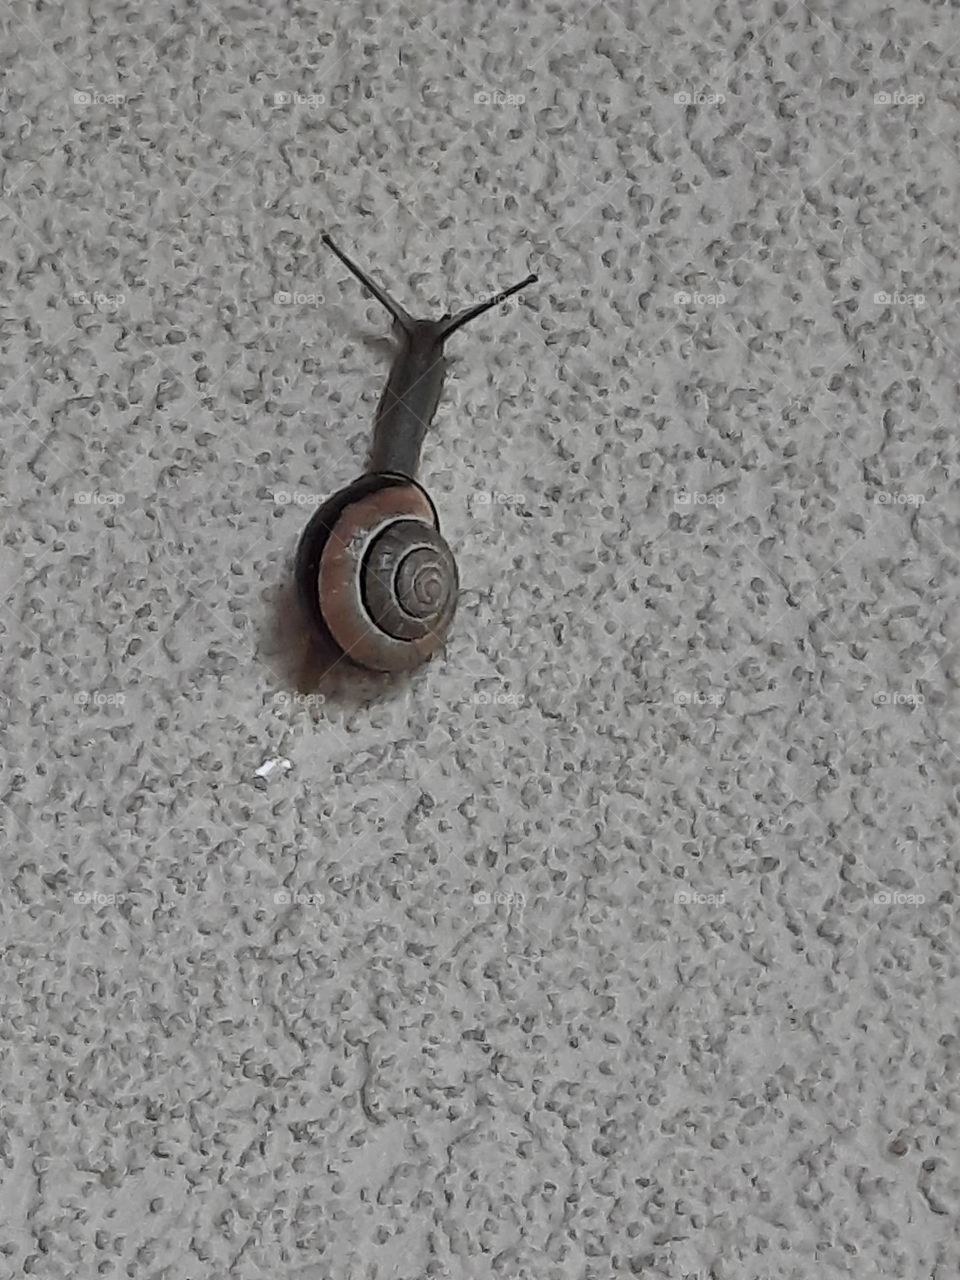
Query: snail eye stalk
[470, 313]
[403, 318]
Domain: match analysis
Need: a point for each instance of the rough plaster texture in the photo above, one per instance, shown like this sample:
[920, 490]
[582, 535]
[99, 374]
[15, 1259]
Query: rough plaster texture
[621, 939]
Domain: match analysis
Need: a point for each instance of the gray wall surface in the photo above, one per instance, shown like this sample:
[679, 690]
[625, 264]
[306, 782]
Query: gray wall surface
[620, 939]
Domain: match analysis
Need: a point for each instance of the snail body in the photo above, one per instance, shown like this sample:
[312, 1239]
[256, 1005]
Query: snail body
[374, 574]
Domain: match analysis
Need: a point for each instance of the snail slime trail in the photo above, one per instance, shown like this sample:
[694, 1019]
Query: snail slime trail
[374, 574]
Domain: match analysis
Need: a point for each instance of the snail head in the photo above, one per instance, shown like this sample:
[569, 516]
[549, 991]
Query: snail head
[425, 334]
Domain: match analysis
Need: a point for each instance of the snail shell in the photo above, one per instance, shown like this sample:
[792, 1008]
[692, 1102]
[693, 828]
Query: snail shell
[375, 574]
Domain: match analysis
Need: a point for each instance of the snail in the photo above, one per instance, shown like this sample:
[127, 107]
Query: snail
[373, 572]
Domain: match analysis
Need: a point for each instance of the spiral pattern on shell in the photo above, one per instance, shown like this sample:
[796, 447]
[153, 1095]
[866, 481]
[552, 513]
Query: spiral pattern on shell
[408, 578]
[383, 579]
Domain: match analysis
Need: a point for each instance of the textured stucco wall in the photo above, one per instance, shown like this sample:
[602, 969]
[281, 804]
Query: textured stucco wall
[621, 939]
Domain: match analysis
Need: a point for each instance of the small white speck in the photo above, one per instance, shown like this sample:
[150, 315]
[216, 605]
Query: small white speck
[270, 767]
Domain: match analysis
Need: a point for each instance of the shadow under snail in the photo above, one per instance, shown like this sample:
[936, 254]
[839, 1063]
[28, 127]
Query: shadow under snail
[373, 572]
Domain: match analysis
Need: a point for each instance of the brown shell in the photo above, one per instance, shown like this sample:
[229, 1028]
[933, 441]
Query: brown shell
[340, 581]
